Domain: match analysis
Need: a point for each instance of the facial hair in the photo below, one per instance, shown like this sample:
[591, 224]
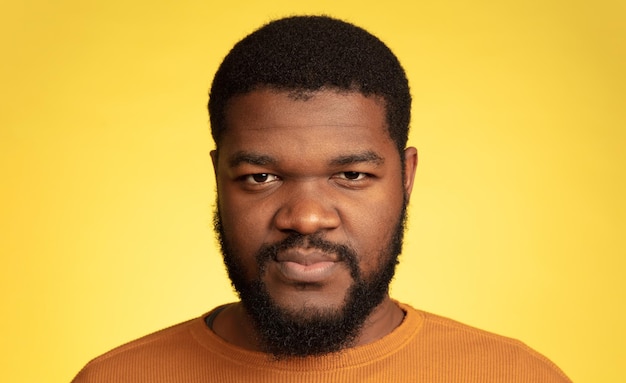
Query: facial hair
[311, 332]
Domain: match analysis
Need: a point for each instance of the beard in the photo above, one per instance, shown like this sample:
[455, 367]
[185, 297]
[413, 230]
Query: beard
[311, 331]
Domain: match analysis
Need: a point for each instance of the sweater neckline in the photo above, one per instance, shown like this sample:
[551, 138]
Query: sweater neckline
[352, 357]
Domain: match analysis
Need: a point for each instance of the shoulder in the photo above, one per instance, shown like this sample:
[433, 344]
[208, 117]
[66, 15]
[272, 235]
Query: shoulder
[461, 347]
[144, 354]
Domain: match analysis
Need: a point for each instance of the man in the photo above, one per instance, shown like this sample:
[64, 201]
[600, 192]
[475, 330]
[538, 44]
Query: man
[310, 119]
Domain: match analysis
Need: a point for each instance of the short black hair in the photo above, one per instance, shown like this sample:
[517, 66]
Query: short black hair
[308, 53]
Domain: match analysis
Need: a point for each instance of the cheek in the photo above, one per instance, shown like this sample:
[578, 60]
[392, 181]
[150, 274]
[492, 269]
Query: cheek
[245, 224]
[373, 231]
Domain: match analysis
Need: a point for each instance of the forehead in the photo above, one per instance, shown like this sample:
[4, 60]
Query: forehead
[305, 118]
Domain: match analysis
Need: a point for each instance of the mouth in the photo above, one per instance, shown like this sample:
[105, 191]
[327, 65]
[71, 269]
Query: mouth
[306, 266]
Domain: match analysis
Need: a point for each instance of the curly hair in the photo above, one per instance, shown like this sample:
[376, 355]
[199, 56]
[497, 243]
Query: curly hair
[308, 53]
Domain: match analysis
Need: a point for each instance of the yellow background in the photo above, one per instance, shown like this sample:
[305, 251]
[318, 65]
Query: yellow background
[516, 222]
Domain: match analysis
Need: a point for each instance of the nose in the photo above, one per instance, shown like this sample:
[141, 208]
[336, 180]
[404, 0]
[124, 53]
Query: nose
[306, 211]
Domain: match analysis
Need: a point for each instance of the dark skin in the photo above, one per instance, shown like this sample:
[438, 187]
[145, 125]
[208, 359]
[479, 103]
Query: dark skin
[322, 164]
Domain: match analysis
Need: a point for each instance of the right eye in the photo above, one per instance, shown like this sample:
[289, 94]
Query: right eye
[260, 178]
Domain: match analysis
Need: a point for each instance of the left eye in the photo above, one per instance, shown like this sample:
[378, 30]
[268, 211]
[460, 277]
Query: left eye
[352, 176]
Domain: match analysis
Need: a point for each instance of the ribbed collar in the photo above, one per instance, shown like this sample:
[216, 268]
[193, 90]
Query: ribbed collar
[352, 357]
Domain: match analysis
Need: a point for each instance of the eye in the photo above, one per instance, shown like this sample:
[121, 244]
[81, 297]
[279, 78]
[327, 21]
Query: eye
[352, 176]
[259, 178]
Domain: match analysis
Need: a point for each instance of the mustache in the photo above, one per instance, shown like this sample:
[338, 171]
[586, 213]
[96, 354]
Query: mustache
[345, 253]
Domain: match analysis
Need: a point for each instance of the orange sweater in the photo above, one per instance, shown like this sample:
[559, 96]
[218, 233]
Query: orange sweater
[424, 348]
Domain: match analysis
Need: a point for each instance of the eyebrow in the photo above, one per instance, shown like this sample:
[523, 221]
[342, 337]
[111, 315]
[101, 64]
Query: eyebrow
[367, 156]
[252, 158]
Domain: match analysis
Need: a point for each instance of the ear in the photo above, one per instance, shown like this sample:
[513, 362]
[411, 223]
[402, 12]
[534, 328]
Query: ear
[214, 160]
[410, 165]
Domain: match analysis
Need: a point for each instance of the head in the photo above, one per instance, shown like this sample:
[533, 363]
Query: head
[307, 53]
[310, 119]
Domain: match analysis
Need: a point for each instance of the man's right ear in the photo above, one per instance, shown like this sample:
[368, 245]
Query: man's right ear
[214, 160]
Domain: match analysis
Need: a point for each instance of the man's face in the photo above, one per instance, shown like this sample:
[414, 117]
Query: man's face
[311, 202]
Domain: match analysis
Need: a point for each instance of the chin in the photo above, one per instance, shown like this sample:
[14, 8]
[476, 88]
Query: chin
[305, 308]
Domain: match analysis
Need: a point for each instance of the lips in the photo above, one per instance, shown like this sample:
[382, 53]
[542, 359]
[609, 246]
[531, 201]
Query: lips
[306, 265]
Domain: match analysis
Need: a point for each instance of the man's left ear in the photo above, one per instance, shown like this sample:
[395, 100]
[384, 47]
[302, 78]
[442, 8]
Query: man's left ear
[410, 165]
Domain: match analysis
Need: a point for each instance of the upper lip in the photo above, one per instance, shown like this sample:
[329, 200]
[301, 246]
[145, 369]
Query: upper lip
[305, 256]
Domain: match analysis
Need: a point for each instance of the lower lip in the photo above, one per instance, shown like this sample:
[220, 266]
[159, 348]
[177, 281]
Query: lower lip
[315, 272]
